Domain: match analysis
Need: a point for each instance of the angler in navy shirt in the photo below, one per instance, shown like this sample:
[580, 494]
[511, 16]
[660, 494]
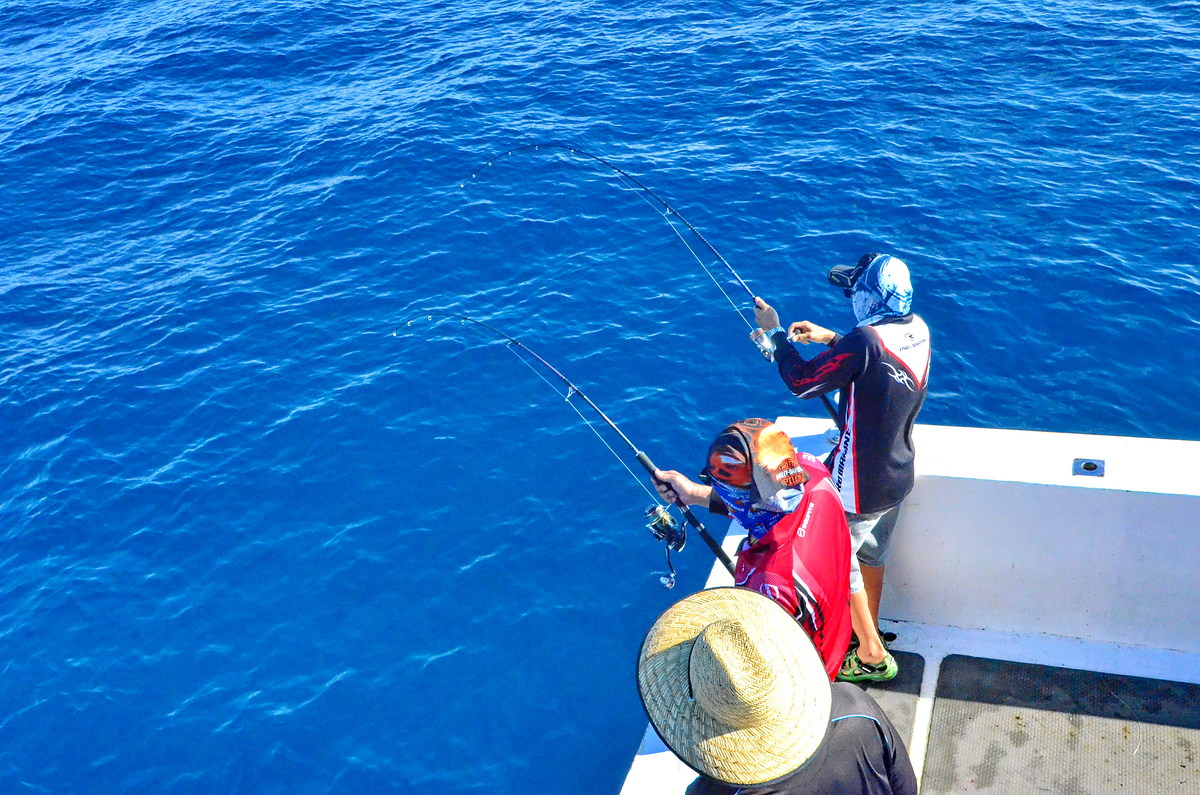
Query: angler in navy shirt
[862, 753]
[736, 689]
[881, 369]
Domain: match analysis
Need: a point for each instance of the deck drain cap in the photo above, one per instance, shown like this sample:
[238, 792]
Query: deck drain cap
[1089, 467]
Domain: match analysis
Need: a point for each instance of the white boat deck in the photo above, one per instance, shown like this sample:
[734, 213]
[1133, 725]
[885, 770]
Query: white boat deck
[1010, 550]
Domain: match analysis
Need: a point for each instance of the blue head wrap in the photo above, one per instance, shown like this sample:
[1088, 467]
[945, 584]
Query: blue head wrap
[884, 290]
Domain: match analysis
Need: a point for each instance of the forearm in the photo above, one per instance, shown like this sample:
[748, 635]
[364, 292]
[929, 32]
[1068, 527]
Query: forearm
[832, 369]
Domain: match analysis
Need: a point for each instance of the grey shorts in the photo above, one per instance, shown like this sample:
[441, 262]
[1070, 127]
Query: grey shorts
[870, 537]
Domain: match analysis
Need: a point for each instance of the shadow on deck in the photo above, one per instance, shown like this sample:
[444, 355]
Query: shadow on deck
[1011, 727]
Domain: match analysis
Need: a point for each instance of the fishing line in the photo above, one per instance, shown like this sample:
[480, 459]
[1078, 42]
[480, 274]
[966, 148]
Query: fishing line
[661, 524]
[666, 211]
[587, 422]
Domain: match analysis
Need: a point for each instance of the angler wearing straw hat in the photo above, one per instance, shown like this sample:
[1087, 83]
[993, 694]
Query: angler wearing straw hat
[881, 368]
[797, 545]
[736, 690]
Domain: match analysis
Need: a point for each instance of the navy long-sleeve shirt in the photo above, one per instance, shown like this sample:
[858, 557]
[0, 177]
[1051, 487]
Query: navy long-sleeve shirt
[882, 371]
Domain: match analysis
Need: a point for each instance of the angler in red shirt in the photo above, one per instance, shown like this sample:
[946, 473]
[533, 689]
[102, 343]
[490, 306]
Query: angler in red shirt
[797, 545]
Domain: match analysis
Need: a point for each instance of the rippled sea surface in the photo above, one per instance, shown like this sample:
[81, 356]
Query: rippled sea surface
[260, 535]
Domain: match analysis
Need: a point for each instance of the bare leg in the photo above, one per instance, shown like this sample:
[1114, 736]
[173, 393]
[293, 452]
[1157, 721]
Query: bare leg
[870, 646]
[873, 585]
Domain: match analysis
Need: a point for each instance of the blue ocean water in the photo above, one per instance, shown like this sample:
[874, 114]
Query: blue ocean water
[259, 535]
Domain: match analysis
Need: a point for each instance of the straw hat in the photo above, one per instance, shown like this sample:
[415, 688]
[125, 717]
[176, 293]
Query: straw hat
[734, 687]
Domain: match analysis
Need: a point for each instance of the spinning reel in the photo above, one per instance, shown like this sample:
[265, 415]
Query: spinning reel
[765, 346]
[666, 528]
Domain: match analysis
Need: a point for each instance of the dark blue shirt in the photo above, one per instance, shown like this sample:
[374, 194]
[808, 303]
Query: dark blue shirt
[882, 371]
[862, 755]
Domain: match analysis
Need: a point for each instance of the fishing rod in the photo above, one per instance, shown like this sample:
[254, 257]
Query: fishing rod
[661, 523]
[668, 212]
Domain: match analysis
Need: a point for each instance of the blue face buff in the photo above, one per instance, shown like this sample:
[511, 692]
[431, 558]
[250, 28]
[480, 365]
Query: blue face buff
[755, 521]
[882, 291]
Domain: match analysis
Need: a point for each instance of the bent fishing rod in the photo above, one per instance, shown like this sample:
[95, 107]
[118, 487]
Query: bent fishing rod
[668, 212]
[661, 524]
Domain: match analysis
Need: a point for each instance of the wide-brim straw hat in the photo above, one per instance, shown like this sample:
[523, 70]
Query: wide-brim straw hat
[734, 686]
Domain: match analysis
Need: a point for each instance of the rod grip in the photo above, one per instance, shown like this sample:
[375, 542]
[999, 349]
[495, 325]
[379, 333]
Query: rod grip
[713, 544]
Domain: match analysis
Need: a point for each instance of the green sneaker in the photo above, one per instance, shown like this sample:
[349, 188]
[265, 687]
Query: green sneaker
[855, 670]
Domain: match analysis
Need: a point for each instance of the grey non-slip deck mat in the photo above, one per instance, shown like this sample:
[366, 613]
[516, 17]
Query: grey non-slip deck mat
[898, 698]
[1019, 728]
